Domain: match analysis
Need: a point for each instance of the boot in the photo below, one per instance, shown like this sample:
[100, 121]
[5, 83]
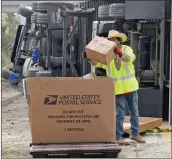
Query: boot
[123, 142]
[138, 139]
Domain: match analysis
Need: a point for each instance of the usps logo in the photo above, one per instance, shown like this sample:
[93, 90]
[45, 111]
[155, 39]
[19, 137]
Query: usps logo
[51, 100]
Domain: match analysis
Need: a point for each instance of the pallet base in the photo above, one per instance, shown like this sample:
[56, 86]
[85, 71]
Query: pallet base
[93, 150]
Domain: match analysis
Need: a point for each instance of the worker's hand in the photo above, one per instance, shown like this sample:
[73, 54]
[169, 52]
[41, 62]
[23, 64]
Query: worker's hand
[118, 51]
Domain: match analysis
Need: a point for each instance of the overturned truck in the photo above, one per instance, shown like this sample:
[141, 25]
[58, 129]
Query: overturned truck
[34, 40]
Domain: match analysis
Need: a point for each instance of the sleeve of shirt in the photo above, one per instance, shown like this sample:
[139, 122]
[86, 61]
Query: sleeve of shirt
[128, 56]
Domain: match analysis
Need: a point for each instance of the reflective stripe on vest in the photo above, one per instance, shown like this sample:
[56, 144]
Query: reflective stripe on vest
[127, 76]
[124, 77]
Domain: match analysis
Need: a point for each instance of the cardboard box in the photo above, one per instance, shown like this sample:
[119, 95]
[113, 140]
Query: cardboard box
[100, 49]
[67, 110]
[145, 123]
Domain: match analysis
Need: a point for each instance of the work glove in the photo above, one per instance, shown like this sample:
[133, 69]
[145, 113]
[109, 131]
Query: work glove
[118, 51]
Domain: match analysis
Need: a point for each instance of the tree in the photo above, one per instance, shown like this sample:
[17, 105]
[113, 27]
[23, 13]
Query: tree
[9, 24]
[9, 27]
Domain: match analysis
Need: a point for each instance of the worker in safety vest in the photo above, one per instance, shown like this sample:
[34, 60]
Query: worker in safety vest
[121, 69]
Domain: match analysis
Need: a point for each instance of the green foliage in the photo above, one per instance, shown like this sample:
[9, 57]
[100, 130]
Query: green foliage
[9, 26]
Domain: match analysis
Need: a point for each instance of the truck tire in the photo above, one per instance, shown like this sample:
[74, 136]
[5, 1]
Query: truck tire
[29, 70]
[57, 51]
[42, 18]
[103, 11]
[117, 10]
[25, 12]
[57, 34]
[34, 7]
[56, 61]
[34, 17]
[42, 6]
[44, 73]
[26, 65]
[44, 46]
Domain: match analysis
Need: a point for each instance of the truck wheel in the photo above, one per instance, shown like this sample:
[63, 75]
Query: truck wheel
[26, 65]
[103, 11]
[44, 46]
[29, 70]
[34, 7]
[42, 18]
[57, 34]
[42, 7]
[117, 10]
[57, 51]
[25, 12]
[34, 17]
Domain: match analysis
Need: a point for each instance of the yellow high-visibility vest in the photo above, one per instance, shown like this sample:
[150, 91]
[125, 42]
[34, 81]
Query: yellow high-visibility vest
[124, 78]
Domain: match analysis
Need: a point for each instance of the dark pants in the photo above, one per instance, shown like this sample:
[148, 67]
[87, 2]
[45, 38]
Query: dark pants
[132, 102]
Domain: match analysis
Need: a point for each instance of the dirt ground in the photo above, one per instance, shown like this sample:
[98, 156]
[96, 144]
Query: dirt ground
[16, 132]
[9, 91]
[15, 125]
